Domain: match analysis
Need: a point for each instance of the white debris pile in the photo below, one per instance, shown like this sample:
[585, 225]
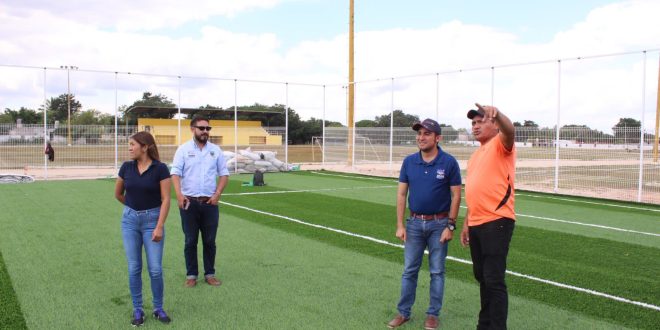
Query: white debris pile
[248, 161]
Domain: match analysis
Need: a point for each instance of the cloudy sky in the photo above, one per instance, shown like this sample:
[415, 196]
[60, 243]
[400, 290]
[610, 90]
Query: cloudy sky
[422, 44]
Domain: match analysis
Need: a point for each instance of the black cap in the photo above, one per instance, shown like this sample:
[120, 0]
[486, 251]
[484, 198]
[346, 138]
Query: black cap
[429, 124]
[473, 113]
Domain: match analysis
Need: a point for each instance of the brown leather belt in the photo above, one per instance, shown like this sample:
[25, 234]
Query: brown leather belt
[200, 199]
[427, 217]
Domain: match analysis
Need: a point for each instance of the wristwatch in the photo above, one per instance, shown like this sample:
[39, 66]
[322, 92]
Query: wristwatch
[451, 225]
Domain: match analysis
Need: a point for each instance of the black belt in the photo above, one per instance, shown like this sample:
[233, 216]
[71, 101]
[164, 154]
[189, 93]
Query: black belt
[436, 216]
[199, 199]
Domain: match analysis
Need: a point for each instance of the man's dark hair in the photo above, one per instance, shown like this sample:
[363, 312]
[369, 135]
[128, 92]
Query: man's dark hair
[197, 118]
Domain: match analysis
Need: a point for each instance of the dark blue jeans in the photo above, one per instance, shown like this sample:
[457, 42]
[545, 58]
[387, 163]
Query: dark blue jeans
[489, 247]
[420, 235]
[199, 217]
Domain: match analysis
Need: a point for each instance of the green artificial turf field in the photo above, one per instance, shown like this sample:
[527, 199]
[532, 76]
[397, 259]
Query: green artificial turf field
[317, 250]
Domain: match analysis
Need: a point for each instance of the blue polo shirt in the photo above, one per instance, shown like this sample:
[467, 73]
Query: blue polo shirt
[143, 191]
[428, 183]
[198, 168]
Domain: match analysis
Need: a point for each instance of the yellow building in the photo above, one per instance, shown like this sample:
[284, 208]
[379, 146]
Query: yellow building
[165, 131]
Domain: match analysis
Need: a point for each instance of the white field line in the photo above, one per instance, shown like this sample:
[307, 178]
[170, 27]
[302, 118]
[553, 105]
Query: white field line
[594, 203]
[584, 224]
[380, 187]
[380, 241]
[355, 177]
[526, 195]
[304, 190]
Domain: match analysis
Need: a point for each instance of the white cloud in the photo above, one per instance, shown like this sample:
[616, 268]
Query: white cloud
[126, 15]
[594, 92]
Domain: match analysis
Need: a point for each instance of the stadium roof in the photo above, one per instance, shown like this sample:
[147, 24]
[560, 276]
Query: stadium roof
[146, 110]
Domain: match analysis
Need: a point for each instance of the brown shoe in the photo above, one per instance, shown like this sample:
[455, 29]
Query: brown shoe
[191, 282]
[431, 322]
[213, 281]
[398, 321]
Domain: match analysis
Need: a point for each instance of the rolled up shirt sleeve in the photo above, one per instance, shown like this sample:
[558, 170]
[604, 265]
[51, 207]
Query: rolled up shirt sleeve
[222, 165]
[178, 162]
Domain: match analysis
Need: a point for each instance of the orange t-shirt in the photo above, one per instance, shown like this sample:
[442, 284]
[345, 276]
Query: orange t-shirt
[489, 189]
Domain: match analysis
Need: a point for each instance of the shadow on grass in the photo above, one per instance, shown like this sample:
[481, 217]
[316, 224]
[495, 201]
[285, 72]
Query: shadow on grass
[11, 316]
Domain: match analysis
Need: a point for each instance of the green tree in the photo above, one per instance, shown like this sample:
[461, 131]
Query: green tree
[365, 123]
[449, 133]
[151, 100]
[58, 108]
[400, 119]
[627, 130]
[27, 116]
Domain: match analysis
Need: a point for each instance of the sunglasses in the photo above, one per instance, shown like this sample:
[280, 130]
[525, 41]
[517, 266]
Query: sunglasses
[203, 128]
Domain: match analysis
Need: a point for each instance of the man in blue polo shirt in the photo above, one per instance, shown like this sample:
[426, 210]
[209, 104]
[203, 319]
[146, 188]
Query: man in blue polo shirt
[199, 175]
[431, 179]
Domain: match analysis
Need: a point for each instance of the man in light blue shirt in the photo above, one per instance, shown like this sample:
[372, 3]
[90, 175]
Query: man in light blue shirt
[199, 175]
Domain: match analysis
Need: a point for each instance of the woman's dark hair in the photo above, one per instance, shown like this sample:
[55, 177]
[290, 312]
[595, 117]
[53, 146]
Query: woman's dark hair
[197, 118]
[146, 139]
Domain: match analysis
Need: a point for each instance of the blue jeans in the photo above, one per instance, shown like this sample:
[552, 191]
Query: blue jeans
[136, 229]
[199, 217]
[421, 234]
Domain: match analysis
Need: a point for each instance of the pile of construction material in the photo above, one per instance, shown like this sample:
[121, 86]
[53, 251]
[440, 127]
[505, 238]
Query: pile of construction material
[248, 161]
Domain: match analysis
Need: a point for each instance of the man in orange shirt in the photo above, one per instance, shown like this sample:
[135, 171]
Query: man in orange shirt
[489, 223]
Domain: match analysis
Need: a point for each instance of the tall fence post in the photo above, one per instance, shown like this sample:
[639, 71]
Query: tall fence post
[492, 85]
[437, 97]
[116, 127]
[286, 125]
[657, 118]
[641, 134]
[556, 188]
[45, 129]
[391, 122]
[323, 131]
[235, 125]
[178, 121]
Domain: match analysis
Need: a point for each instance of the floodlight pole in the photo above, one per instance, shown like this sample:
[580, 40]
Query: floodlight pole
[68, 100]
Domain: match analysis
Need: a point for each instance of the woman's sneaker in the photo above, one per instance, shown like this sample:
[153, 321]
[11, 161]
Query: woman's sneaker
[138, 318]
[160, 315]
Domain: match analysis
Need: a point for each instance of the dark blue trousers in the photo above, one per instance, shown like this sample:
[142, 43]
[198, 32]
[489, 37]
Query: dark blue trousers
[199, 217]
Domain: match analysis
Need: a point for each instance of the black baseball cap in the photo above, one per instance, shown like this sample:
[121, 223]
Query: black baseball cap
[429, 124]
[473, 113]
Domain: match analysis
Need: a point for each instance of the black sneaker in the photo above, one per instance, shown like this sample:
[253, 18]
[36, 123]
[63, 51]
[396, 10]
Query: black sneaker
[160, 315]
[138, 318]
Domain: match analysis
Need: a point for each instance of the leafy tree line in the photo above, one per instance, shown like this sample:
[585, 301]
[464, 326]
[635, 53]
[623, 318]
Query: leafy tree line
[626, 131]
[300, 131]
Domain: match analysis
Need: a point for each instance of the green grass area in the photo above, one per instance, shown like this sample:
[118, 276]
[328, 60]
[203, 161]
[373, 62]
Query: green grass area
[63, 238]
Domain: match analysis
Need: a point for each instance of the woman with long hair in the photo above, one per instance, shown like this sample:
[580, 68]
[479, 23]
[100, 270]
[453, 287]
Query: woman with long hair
[143, 186]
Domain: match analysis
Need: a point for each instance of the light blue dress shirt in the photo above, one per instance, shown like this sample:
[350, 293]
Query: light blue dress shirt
[199, 168]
